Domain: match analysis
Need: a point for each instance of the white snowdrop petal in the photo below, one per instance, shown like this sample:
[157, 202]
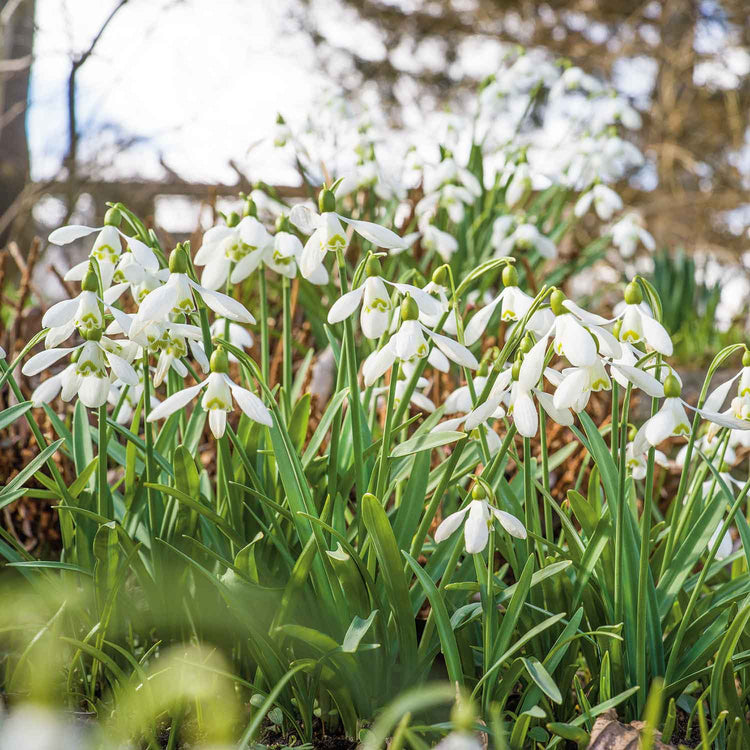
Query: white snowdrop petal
[217, 421]
[454, 351]
[438, 360]
[449, 525]
[563, 417]
[640, 379]
[449, 425]
[226, 306]
[312, 255]
[532, 365]
[175, 402]
[426, 303]
[510, 523]
[345, 305]
[571, 388]
[422, 402]
[61, 313]
[93, 391]
[142, 253]
[215, 272]
[478, 324]
[376, 234]
[476, 530]
[123, 369]
[525, 415]
[718, 396]
[41, 361]
[71, 233]
[57, 335]
[46, 391]
[656, 335]
[577, 343]
[377, 364]
[251, 404]
[304, 218]
[78, 271]
[482, 413]
[245, 267]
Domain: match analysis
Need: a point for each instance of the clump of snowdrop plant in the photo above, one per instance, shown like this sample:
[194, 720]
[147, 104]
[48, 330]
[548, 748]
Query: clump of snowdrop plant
[448, 472]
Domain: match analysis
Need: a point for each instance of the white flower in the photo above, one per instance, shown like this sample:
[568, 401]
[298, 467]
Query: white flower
[528, 237]
[579, 383]
[639, 326]
[217, 400]
[431, 319]
[726, 546]
[89, 377]
[477, 527]
[376, 303]
[515, 304]
[519, 187]
[238, 335]
[82, 312]
[176, 296]
[409, 344]
[238, 249]
[328, 235]
[107, 248]
[606, 202]
[628, 232]
[443, 243]
[638, 461]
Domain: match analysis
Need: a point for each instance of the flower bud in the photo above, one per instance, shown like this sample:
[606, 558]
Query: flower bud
[249, 209]
[233, 219]
[516, 369]
[556, 300]
[178, 260]
[440, 276]
[463, 715]
[510, 276]
[478, 492]
[527, 343]
[219, 360]
[746, 358]
[373, 267]
[631, 434]
[282, 223]
[409, 309]
[93, 334]
[90, 281]
[113, 217]
[326, 201]
[483, 369]
[633, 294]
[672, 387]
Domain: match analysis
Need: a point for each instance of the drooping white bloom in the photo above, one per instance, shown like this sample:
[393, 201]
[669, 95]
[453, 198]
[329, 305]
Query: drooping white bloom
[410, 343]
[606, 202]
[107, 249]
[328, 235]
[476, 529]
[82, 312]
[637, 462]
[528, 237]
[443, 243]
[628, 232]
[639, 326]
[236, 334]
[438, 290]
[579, 383]
[515, 304]
[97, 365]
[217, 400]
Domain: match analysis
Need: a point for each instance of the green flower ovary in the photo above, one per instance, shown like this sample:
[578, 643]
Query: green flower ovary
[334, 243]
[238, 250]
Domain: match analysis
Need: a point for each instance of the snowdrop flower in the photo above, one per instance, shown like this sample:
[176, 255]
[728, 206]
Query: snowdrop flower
[409, 344]
[107, 247]
[502, 228]
[376, 302]
[571, 338]
[83, 312]
[628, 232]
[481, 516]
[447, 171]
[236, 334]
[176, 296]
[578, 383]
[637, 325]
[142, 280]
[328, 235]
[281, 132]
[417, 398]
[515, 304]
[217, 398]
[130, 396]
[236, 248]
[519, 186]
[605, 200]
[637, 462]
[88, 376]
[452, 198]
[726, 546]
[528, 237]
[443, 243]
[436, 287]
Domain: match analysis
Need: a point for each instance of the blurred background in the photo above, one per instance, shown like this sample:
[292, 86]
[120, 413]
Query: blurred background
[168, 105]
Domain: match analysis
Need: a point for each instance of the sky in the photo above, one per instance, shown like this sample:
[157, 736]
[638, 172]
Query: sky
[199, 81]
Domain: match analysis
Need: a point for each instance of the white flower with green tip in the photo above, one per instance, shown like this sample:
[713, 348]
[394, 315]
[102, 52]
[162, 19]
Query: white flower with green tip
[218, 399]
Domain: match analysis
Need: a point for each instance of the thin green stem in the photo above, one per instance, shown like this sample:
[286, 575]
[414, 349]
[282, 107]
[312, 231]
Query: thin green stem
[286, 379]
[620, 513]
[385, 446]
[103, 496]
[264, 356]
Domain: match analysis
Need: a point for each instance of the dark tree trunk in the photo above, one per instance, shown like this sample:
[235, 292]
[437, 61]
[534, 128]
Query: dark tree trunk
[16, 43]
